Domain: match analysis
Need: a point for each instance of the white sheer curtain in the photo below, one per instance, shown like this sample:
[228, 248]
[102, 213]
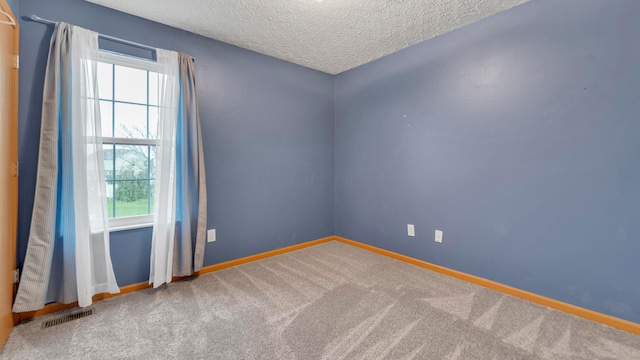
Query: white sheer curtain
[164, 218]
[68, 255]
[94, 272]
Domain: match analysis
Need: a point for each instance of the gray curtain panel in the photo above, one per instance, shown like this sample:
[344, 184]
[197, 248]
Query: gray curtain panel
[68, 251]
[191, 194]
[36, 273]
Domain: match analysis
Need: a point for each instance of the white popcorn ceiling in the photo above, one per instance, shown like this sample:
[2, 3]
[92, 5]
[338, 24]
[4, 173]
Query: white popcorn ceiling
[331, 36]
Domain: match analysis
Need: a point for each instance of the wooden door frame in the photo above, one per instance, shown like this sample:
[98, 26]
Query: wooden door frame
[12, 128]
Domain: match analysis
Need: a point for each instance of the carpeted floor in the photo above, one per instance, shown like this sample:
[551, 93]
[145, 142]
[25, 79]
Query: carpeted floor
[330, 301]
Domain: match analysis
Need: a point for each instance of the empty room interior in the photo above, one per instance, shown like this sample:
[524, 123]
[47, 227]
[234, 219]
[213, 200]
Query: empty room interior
[320, 179]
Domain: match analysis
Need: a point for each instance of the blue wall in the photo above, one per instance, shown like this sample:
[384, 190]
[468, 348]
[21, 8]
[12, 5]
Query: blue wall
[267, 129]
[13, 4]
[519, 137]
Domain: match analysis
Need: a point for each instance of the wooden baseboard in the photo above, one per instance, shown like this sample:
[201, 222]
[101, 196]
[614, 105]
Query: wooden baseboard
[55, 307]
[535, 298]
[263, 255]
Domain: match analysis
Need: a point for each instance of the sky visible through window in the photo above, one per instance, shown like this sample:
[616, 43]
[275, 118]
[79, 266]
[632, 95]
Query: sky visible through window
[129, 116]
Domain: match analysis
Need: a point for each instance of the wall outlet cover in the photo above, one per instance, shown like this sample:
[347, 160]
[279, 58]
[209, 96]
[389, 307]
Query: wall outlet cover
[211, 235]
[411, 231]
[439, 236]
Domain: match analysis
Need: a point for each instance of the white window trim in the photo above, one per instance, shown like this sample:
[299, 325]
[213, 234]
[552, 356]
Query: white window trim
[129, 141]
[128, 61]
[128, 222]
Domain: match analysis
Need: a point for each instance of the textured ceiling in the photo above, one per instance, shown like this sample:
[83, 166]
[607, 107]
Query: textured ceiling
[331, 36]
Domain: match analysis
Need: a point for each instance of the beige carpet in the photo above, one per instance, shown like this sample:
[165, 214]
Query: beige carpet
[331, 301]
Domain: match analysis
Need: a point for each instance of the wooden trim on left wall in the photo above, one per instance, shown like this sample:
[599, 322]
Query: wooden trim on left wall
[55, 307]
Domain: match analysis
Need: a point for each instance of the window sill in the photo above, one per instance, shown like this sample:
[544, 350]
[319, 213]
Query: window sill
[130, 222]
[129, 227]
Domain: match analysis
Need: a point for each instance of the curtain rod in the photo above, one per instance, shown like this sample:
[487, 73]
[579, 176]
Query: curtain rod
[38, 19]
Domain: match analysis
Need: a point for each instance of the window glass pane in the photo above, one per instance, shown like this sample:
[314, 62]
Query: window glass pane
[131, 85]
[153, 88]
[152, 184]
[128, 109]
[108, 160]
[131, 121]
[132, 198]
[106, 118]
[110, 207]
[153, 122]
[152, 162]
[132, 162]
[105, 81]
[109, 175]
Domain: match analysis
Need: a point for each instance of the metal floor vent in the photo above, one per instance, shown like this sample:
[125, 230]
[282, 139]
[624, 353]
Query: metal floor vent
[66, 318]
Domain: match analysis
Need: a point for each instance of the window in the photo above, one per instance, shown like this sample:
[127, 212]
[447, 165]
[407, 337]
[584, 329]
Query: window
[128, 91]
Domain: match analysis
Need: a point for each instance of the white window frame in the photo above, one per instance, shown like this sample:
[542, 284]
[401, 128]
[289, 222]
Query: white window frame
[140, 221]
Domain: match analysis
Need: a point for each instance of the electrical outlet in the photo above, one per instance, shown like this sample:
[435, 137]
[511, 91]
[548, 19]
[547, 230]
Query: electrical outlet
[439, 236]
[211, 235]
[411, 231]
